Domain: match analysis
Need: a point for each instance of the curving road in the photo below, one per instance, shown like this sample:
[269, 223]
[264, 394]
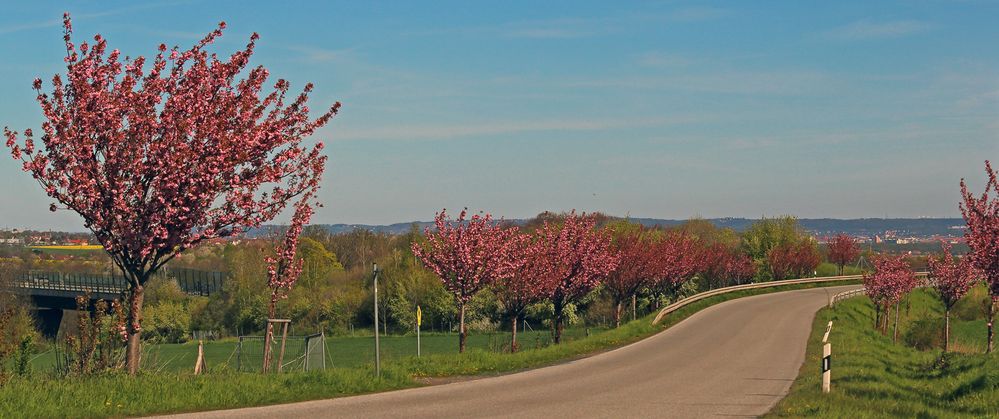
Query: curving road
[736, 358]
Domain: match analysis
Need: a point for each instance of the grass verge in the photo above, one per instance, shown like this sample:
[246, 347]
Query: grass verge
[873, 377]
[167, 392]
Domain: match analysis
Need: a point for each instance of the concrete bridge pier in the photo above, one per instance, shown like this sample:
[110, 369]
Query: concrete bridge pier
[49, 320]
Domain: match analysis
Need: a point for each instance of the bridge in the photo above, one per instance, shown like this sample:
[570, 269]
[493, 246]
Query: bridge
[53, 292]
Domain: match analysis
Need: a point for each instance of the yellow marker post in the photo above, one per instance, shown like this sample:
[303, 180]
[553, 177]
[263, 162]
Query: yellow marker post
[419, 321]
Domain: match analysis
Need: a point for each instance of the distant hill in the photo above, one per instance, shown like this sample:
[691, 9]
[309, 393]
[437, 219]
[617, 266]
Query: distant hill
[905, 227]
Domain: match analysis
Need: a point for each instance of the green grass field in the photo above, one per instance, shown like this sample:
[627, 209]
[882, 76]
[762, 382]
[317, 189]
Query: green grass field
[176, 390]
[342, 352]
[873, 377]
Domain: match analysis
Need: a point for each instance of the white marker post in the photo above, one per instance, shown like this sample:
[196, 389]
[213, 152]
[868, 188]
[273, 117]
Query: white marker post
[826, 361]
[378, 356]
[419, 321]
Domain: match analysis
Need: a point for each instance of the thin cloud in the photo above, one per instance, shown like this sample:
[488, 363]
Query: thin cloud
[563, 28]
[5, 29]
[315, 54]
[866, 29]
[698, 14]
[770, 83]
[581, 27]
[662, 60]
[457, 131]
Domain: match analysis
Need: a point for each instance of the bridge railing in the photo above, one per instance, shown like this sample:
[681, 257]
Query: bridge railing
[82, 283]
[192, 282]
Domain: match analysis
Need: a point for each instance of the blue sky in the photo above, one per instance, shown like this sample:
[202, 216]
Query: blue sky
[664, 109]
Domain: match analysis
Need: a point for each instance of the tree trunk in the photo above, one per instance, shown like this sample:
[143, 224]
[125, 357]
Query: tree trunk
[461, 330]
[634, 307]
[992, 312]
[877, 317]
[894, 337]
[840, 269]
[269, 333]
[617, 314]
[947, 329]
[134, 328]
[513, 334]
[557, 321]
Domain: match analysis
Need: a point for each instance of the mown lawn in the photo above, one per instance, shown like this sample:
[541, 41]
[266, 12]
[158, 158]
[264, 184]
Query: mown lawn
[166, 391]
[873, 377]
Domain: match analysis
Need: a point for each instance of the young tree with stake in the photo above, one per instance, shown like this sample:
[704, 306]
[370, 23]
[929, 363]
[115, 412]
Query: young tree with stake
[952, 280]
[468, 255]
[157, 159]
[284, 271]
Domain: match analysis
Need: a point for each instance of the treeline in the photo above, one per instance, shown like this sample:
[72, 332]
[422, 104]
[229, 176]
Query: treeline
[334, 293]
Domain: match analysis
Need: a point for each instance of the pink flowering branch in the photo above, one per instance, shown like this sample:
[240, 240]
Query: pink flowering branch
[159, 155]
[981, 215]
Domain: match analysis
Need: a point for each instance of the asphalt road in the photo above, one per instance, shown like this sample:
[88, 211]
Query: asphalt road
[736, 358]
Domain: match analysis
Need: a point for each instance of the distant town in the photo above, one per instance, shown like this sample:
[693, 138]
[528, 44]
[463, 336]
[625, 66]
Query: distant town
[868, 231]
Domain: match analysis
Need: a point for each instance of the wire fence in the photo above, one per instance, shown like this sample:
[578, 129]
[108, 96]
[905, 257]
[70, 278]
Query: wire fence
[301, 353]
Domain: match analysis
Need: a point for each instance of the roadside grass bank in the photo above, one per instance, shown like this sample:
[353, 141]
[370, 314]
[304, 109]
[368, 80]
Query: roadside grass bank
[873, 377]
[150, 392]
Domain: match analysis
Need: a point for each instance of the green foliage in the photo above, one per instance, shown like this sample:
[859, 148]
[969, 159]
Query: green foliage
[163, 289]
[708, 233]
[768, 233]
[22, 358]
[167, 322]
[926, 334]
[764, 235]
[318, 266]
[973, 306]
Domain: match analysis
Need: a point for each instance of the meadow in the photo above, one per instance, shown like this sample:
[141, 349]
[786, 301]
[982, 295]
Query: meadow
[874, 377]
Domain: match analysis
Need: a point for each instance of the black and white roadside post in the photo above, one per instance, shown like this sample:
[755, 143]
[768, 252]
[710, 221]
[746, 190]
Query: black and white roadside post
[378, 357]
[826, 360]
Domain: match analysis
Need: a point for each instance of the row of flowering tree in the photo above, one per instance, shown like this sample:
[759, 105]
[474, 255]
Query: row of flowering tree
[891, 280]
[564, 259]
[160, 155]
[561, 262]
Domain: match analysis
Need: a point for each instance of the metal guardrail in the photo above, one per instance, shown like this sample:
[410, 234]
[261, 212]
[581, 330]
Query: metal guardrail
[844, 295]
[700, 296]
[861, 291]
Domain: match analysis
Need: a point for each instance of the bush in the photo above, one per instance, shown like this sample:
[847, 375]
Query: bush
[925, 334]
[971, 306]
[167, 323]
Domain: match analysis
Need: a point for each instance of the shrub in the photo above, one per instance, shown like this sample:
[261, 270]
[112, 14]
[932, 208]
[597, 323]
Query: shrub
[925, 334]
[167, 323]
[970, 307]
